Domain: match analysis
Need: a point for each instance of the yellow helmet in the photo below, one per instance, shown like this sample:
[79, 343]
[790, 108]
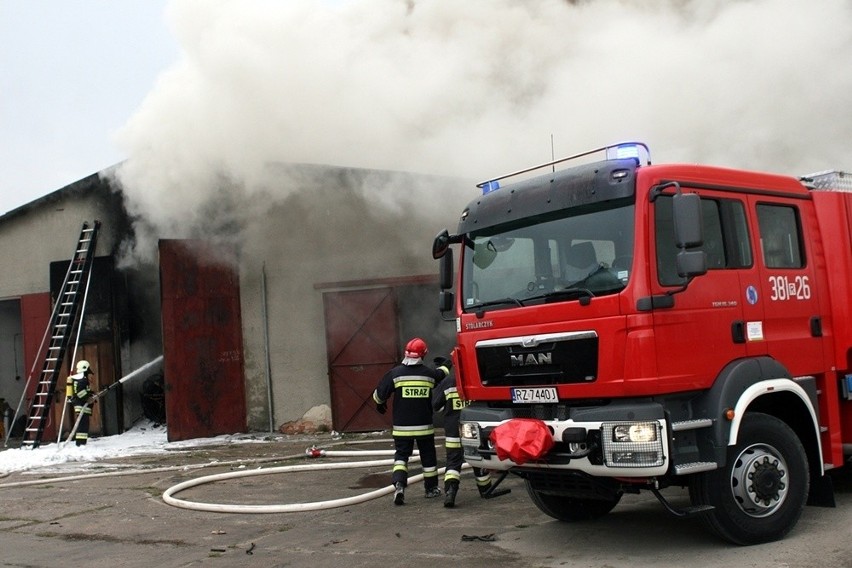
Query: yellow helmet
[82, 366]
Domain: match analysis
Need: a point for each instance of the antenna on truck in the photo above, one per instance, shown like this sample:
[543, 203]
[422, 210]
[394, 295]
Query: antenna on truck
[552, 154]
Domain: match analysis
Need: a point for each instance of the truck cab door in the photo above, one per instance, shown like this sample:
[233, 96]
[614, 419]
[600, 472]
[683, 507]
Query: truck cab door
[697, 336]
[787, 255]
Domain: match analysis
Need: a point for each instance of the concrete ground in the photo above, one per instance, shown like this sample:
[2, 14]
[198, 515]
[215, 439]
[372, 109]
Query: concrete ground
[120, 519]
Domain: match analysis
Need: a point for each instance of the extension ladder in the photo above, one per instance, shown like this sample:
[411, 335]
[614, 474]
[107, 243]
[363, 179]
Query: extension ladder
[59, 331]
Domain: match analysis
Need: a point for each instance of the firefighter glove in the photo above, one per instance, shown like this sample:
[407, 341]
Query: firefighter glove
[382, 408]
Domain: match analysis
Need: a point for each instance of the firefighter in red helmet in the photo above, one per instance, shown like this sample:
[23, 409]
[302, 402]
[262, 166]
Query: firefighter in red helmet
[411, 384]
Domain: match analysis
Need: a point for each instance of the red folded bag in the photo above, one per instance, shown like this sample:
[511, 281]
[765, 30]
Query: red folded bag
[522, 440]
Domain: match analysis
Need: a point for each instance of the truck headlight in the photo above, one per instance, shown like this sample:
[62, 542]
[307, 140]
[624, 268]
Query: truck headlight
[639, 432]
[632, 444]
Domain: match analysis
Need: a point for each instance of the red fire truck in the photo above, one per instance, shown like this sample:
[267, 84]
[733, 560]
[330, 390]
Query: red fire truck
[624, 327]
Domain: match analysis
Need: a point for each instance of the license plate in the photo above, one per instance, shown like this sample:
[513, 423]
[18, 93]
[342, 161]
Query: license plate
[541, 394]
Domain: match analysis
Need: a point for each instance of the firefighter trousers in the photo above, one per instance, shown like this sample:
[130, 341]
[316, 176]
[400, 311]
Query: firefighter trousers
[403, 448]
[452, 474]
[82, 434]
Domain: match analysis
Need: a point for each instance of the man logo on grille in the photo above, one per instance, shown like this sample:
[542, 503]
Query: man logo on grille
[531, 359]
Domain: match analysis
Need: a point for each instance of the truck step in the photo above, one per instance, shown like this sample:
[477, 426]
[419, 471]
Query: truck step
[694, 467]
[691, 424]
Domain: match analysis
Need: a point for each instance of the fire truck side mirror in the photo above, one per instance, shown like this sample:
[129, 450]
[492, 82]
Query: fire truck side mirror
[688, 229]
[446, 301]
[445, 276]
[689, 233]
[691, 263]
[441, 244]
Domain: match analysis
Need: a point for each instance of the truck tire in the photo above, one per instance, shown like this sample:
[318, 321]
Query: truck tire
[767, 452]
[571, 509]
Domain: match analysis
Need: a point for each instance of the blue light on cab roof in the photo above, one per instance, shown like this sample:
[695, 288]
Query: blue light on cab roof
[490, 186]
[635, 150]
[626, 151]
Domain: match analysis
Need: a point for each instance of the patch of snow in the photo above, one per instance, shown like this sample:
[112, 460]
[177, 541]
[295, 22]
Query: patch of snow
[144, 438]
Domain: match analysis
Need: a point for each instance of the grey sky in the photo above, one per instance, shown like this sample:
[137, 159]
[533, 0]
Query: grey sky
[72, 72]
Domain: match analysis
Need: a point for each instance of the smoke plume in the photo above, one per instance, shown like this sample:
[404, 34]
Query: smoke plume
[478, 88]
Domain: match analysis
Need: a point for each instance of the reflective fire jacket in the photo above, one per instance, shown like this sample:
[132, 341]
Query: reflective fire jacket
[411, 387]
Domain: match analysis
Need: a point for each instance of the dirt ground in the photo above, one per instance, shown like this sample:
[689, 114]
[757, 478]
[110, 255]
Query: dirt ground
[116, 515]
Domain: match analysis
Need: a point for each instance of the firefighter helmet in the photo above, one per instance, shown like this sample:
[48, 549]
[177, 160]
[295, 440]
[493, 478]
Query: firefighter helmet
[416, 348]
[82, 366]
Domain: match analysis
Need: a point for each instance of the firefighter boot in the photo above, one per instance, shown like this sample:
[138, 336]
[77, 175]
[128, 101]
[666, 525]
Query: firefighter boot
[399, 493]
[450, 491]
[433, 492]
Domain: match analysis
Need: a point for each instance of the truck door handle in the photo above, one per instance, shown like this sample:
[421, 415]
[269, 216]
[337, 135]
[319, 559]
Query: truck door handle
[738, 331]
[816, 326]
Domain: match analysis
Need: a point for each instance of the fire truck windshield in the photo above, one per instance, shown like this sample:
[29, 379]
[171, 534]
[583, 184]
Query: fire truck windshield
[583, 252]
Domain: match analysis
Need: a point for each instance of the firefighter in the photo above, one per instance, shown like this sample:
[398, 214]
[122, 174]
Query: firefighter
[79, 394]
[446, 398]
[411, 384]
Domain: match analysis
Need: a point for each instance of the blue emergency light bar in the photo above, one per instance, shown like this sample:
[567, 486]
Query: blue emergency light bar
[489, 186]
[624, 150]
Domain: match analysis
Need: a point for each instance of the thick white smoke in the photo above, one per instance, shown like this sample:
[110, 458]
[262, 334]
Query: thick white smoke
[477, 88]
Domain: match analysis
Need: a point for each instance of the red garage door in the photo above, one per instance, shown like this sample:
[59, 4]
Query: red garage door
[362, 342]
[202, 340]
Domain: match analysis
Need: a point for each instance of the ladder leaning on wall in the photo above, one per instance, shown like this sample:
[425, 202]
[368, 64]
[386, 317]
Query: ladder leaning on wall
[57, 336]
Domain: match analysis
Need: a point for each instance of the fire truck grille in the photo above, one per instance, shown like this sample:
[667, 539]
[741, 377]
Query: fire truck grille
[521, 362]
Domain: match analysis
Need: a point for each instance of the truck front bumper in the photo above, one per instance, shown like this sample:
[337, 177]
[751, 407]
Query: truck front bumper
[604, 442]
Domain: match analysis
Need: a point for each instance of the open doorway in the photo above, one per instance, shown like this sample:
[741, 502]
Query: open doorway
[12, 367]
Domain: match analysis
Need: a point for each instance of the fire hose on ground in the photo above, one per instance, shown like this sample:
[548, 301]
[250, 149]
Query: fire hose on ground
[168, 495]
[522, 440]
[313, 452]
[520, 435]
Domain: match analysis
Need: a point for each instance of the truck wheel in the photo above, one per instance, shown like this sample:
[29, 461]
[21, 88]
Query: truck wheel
[571, 509]
[760, 493]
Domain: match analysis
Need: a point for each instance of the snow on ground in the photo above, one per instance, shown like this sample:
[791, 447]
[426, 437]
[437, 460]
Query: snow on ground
[144, 438]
